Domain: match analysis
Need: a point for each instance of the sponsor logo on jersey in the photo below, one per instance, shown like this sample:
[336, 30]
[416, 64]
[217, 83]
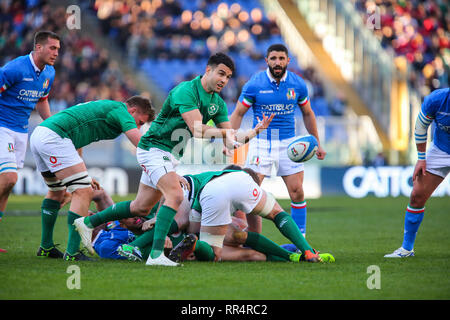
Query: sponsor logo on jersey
[265, 91]
[27, 79]
[255, 193]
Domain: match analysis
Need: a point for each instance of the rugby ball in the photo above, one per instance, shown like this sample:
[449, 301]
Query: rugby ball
[302, 148]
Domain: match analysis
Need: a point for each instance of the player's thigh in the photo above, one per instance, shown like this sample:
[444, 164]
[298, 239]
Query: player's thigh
[423, 188]
[54, 153]
[13, 146]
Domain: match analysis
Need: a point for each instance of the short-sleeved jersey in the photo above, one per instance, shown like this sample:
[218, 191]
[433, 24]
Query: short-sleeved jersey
[169, 128]
[91, 121]
[263, 94]
[21, 87]
[436, 106]
[199, 181]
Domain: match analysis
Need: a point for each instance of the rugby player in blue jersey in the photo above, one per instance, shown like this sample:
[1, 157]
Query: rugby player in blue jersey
[432, 166]
[278, 91]
[25, 84]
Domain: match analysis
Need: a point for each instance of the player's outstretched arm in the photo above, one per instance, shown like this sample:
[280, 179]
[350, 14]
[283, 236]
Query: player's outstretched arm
[246, 136]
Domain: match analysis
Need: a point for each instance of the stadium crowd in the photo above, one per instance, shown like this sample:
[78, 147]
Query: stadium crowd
[83, 71]
[173, 37]
[417, 30]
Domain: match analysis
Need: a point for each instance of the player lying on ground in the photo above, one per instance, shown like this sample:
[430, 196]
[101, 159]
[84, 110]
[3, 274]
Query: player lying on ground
[54, 145]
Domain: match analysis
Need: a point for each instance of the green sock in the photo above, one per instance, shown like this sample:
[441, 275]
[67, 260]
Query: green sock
[73, 241]
[290, 230]
[274, 258]
[164, 220]
[263, 244]
[146, 239]
[49, 213]
[203, 251]
[120, 210]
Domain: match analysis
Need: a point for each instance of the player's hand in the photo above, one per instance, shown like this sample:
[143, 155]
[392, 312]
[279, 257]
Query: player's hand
[227, 152]
[320, 153]
[149, 224]
[67, 199]
[264, 123]
[420, 169]
[95, 185]
[230, 140]
[168, 243]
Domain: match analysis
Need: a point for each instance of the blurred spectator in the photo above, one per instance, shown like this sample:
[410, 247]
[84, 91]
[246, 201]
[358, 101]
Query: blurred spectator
[418, 30]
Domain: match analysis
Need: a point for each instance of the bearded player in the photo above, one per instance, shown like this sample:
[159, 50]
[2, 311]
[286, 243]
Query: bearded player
[278, 92]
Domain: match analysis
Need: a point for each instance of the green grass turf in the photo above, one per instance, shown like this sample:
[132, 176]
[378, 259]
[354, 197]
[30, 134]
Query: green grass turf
[357, 231]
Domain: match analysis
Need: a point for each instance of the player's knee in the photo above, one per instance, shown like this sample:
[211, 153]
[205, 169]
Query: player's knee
[297, 194]
[417, 199]
[138, 209]
[175, 198]
[8, 181]
[239, 236]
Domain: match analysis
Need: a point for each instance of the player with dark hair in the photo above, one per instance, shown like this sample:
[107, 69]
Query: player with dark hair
[187, 109]
[432, 166]
[276, 91]
[25, 84]
[54, 144]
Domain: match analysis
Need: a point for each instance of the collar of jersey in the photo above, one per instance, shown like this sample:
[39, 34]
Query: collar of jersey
[34, 65]
[272, 79]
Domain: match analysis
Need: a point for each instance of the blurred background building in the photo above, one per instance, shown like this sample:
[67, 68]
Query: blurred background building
[368, 63]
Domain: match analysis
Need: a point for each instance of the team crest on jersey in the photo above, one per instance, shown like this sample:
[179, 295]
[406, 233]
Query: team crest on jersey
[11, 147]
[46, 83]
[291, 94]
[212, 110]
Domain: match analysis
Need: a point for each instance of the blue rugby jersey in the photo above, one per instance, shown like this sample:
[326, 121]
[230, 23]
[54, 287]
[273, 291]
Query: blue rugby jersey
[263, 94]
[107, 241]
[21, 87]
[436, 106]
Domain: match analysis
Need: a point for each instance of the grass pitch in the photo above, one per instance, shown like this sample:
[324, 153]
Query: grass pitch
[358, 232]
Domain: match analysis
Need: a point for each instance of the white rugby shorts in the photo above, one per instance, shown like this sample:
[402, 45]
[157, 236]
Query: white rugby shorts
[263, 154]
[155, 163]
[13, 146]
[438, 161]
[225, 194]
[52, 152]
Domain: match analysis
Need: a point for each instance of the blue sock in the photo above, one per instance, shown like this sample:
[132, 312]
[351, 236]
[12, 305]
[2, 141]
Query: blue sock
[1, 215]
[298, 213]
[413, 218]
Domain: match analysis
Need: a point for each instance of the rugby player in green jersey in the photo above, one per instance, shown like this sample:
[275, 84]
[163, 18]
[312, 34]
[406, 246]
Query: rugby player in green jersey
[187, 109]
[54, 144]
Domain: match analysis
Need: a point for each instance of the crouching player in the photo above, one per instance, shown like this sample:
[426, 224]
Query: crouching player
[54, 145]
[216, 195]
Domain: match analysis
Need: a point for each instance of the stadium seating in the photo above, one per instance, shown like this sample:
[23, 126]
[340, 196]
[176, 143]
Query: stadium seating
[174, 38]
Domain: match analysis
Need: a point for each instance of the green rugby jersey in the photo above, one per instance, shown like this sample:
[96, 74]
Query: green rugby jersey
[188, 95]
[199, 181]
[91, 121]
